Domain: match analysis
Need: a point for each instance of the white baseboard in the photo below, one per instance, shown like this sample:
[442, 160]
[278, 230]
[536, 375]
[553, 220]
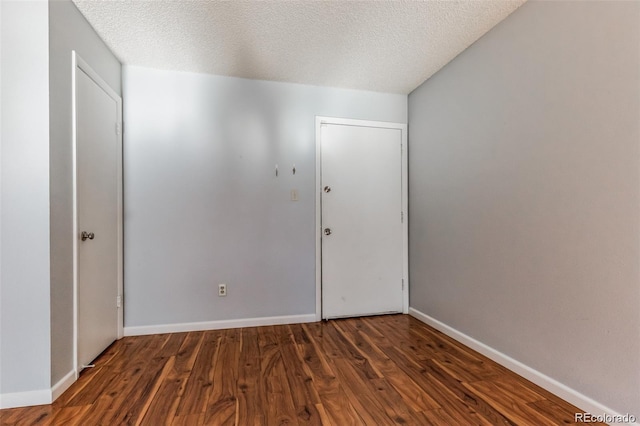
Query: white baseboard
[217, 325]
[38, 397]
[563, 391]
[25, 399]
[47, 396]
[62, 385]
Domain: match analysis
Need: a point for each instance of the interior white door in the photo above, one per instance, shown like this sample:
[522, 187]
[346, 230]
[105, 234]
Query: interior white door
[362, 231]
[97, 150]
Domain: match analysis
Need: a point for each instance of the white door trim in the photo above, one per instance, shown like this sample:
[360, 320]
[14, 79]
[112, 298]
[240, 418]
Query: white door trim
[405, 209]
[79, 65]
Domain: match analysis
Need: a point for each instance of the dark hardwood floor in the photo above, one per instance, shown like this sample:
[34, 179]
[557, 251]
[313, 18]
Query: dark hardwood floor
[374, 371]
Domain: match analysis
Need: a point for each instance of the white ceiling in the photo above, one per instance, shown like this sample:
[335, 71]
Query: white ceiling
[384, 46]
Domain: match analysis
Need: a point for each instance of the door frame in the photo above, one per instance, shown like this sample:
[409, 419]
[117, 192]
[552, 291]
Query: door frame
[405, 195]
[79, 65]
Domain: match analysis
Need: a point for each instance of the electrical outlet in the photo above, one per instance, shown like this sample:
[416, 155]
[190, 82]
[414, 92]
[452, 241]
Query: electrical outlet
[222, 290]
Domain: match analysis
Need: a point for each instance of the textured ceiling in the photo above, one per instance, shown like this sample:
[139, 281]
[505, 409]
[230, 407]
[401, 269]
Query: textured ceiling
[385, 46]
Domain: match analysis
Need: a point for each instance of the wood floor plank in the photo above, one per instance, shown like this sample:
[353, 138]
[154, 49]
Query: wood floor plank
[40, 415]
[161, 409]
[139, 383]
[168, 384]
[273, 382]
[200, 381]
[410, 392]
[223, 412]
[188, 420]
[186, 357]
[171, 346]
[364, 403]
[335, 401]
[316, 331]
[87, 375]
[460, 364]
[222, 405]
[98, 413]
[137, 355]
[371, 381]
[442, 416]
[71, 416]
[165, 404]
[303, 394]
[300, 336]
[471, 399]
[115, 380]
[515, 409]
[458, 404]
[363, 371]
[102, 380]
[347, 351]
[395, 407]
[561, 414]
[249, 395]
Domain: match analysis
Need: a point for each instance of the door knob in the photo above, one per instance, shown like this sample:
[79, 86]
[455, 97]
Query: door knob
[86, 236]
[327, 231]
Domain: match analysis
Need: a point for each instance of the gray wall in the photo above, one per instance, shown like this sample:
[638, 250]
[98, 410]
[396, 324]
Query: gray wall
[24, 198]
[68, 31]
[524, 194]
[202, 203]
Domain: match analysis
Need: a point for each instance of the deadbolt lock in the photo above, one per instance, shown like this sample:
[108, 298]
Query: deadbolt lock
[327, 231]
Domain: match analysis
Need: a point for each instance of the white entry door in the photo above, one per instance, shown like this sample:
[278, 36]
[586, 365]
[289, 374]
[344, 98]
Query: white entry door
[362, 220]
[98, 214]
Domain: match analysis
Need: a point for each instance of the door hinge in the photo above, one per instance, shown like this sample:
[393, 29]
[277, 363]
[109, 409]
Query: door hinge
[119, 302]
[118, 129]
[403, 283]
[401, 217]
